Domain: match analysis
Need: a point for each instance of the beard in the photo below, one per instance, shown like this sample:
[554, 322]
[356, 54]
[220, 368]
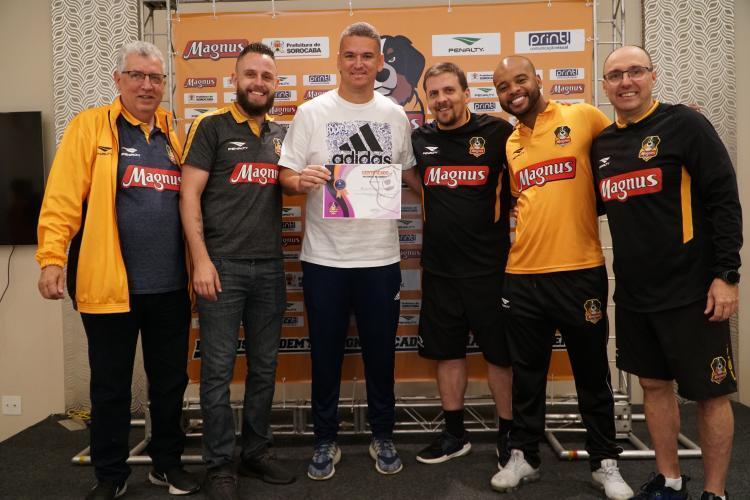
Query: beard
[452, 119]
[533, 98]
[254, 109]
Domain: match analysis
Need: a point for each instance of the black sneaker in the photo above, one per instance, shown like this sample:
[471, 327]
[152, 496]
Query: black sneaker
[180, 482]
[267, 468]
[221, 485]
[655, 488]
[713, 496]
[105, 490]
[445, 447]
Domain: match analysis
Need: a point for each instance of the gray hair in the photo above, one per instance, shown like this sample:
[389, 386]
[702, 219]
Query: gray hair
[362, 29]
[140, 48]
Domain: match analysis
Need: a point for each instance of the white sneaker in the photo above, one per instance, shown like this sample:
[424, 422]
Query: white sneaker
[608, 479]
[516, 472]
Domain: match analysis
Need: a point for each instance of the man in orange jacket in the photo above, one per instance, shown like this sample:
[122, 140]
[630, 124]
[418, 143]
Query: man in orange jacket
[113, 195]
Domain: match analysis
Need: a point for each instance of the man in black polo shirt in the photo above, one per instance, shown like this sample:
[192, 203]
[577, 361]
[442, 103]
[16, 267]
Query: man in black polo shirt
[670, 193]
[113, 194]
[231, 210]
[464, 183]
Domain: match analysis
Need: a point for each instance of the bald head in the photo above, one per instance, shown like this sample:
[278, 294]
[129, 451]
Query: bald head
[519, 62]
[630, 52]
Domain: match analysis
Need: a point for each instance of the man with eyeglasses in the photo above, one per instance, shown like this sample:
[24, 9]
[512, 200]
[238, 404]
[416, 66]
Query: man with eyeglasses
[113, 195]
[670, 193]
[231, 209]
[555, 277]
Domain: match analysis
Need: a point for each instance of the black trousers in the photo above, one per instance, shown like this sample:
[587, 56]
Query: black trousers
[331, 294]
[574, 303]
[163, 321]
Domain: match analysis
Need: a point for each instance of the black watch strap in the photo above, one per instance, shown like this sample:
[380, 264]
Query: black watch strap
[731, 276]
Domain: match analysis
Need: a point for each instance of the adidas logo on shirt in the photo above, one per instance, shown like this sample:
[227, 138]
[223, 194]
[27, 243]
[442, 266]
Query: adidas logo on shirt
[361, 147]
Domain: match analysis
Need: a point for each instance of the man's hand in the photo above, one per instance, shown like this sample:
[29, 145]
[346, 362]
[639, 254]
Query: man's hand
[206, 280]
[52, 282]
[312, 177]
[722, 300]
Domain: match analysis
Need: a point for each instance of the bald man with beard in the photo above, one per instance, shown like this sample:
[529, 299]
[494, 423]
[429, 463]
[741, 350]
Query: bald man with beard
[555, 277]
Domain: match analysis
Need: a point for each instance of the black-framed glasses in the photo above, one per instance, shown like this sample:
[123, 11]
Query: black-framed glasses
[634, 73]
[139, 76]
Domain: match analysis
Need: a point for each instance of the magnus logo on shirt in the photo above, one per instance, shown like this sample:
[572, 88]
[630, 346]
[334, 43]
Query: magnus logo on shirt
[541, 173]
[361, 147]
[154, 178]
[621, 187]
[255, 173]
[455, 176]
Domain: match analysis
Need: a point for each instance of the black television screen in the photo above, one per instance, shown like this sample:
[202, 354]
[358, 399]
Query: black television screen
[21, 176]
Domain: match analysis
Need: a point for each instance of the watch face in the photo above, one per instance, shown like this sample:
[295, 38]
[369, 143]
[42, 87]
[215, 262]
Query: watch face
[732, 277]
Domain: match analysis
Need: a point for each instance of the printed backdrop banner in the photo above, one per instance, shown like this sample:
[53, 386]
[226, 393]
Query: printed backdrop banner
[556, 38]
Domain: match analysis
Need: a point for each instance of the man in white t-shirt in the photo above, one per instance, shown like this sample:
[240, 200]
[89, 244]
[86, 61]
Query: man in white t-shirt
[349, 264]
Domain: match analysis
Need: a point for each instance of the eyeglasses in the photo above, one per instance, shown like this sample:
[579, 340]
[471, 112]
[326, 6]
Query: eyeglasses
[139, 76]
[634, 73]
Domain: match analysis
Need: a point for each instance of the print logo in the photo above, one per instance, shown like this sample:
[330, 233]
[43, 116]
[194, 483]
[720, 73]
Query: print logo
[550, 41]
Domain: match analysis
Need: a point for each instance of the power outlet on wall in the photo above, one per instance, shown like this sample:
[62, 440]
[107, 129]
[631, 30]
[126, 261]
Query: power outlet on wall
[11, 405]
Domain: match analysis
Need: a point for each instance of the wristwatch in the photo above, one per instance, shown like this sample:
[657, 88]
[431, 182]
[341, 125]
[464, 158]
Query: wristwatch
[731, 276]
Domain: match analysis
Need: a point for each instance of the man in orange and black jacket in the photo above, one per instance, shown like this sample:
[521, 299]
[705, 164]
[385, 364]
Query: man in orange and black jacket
[113, 195]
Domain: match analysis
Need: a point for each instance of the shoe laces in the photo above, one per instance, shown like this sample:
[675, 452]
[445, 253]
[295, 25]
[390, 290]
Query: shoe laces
[612, 472]
[324, 451]
[516, 461]
[384, 448]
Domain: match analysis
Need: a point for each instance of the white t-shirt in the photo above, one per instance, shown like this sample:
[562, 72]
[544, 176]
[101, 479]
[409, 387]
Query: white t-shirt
[329, 129]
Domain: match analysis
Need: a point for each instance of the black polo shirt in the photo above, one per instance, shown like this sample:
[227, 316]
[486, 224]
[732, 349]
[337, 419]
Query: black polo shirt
[241, 202]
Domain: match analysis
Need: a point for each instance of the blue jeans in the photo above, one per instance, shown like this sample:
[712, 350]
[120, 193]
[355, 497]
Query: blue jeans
[254, 293]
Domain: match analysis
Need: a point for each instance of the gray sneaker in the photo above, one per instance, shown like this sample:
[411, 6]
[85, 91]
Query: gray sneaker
[322, 466]
[515, 473]
[385, 456]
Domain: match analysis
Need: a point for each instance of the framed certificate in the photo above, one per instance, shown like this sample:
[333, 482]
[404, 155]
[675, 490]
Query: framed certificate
[366, 191]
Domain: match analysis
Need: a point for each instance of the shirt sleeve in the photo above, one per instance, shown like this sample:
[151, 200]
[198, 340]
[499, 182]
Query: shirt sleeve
[67, 188]
[201, 144]
[295, 146]
[597, 120]
[407, 151]
[708, 163]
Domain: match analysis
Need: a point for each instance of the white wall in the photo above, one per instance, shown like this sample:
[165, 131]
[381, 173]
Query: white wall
[31, 361]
